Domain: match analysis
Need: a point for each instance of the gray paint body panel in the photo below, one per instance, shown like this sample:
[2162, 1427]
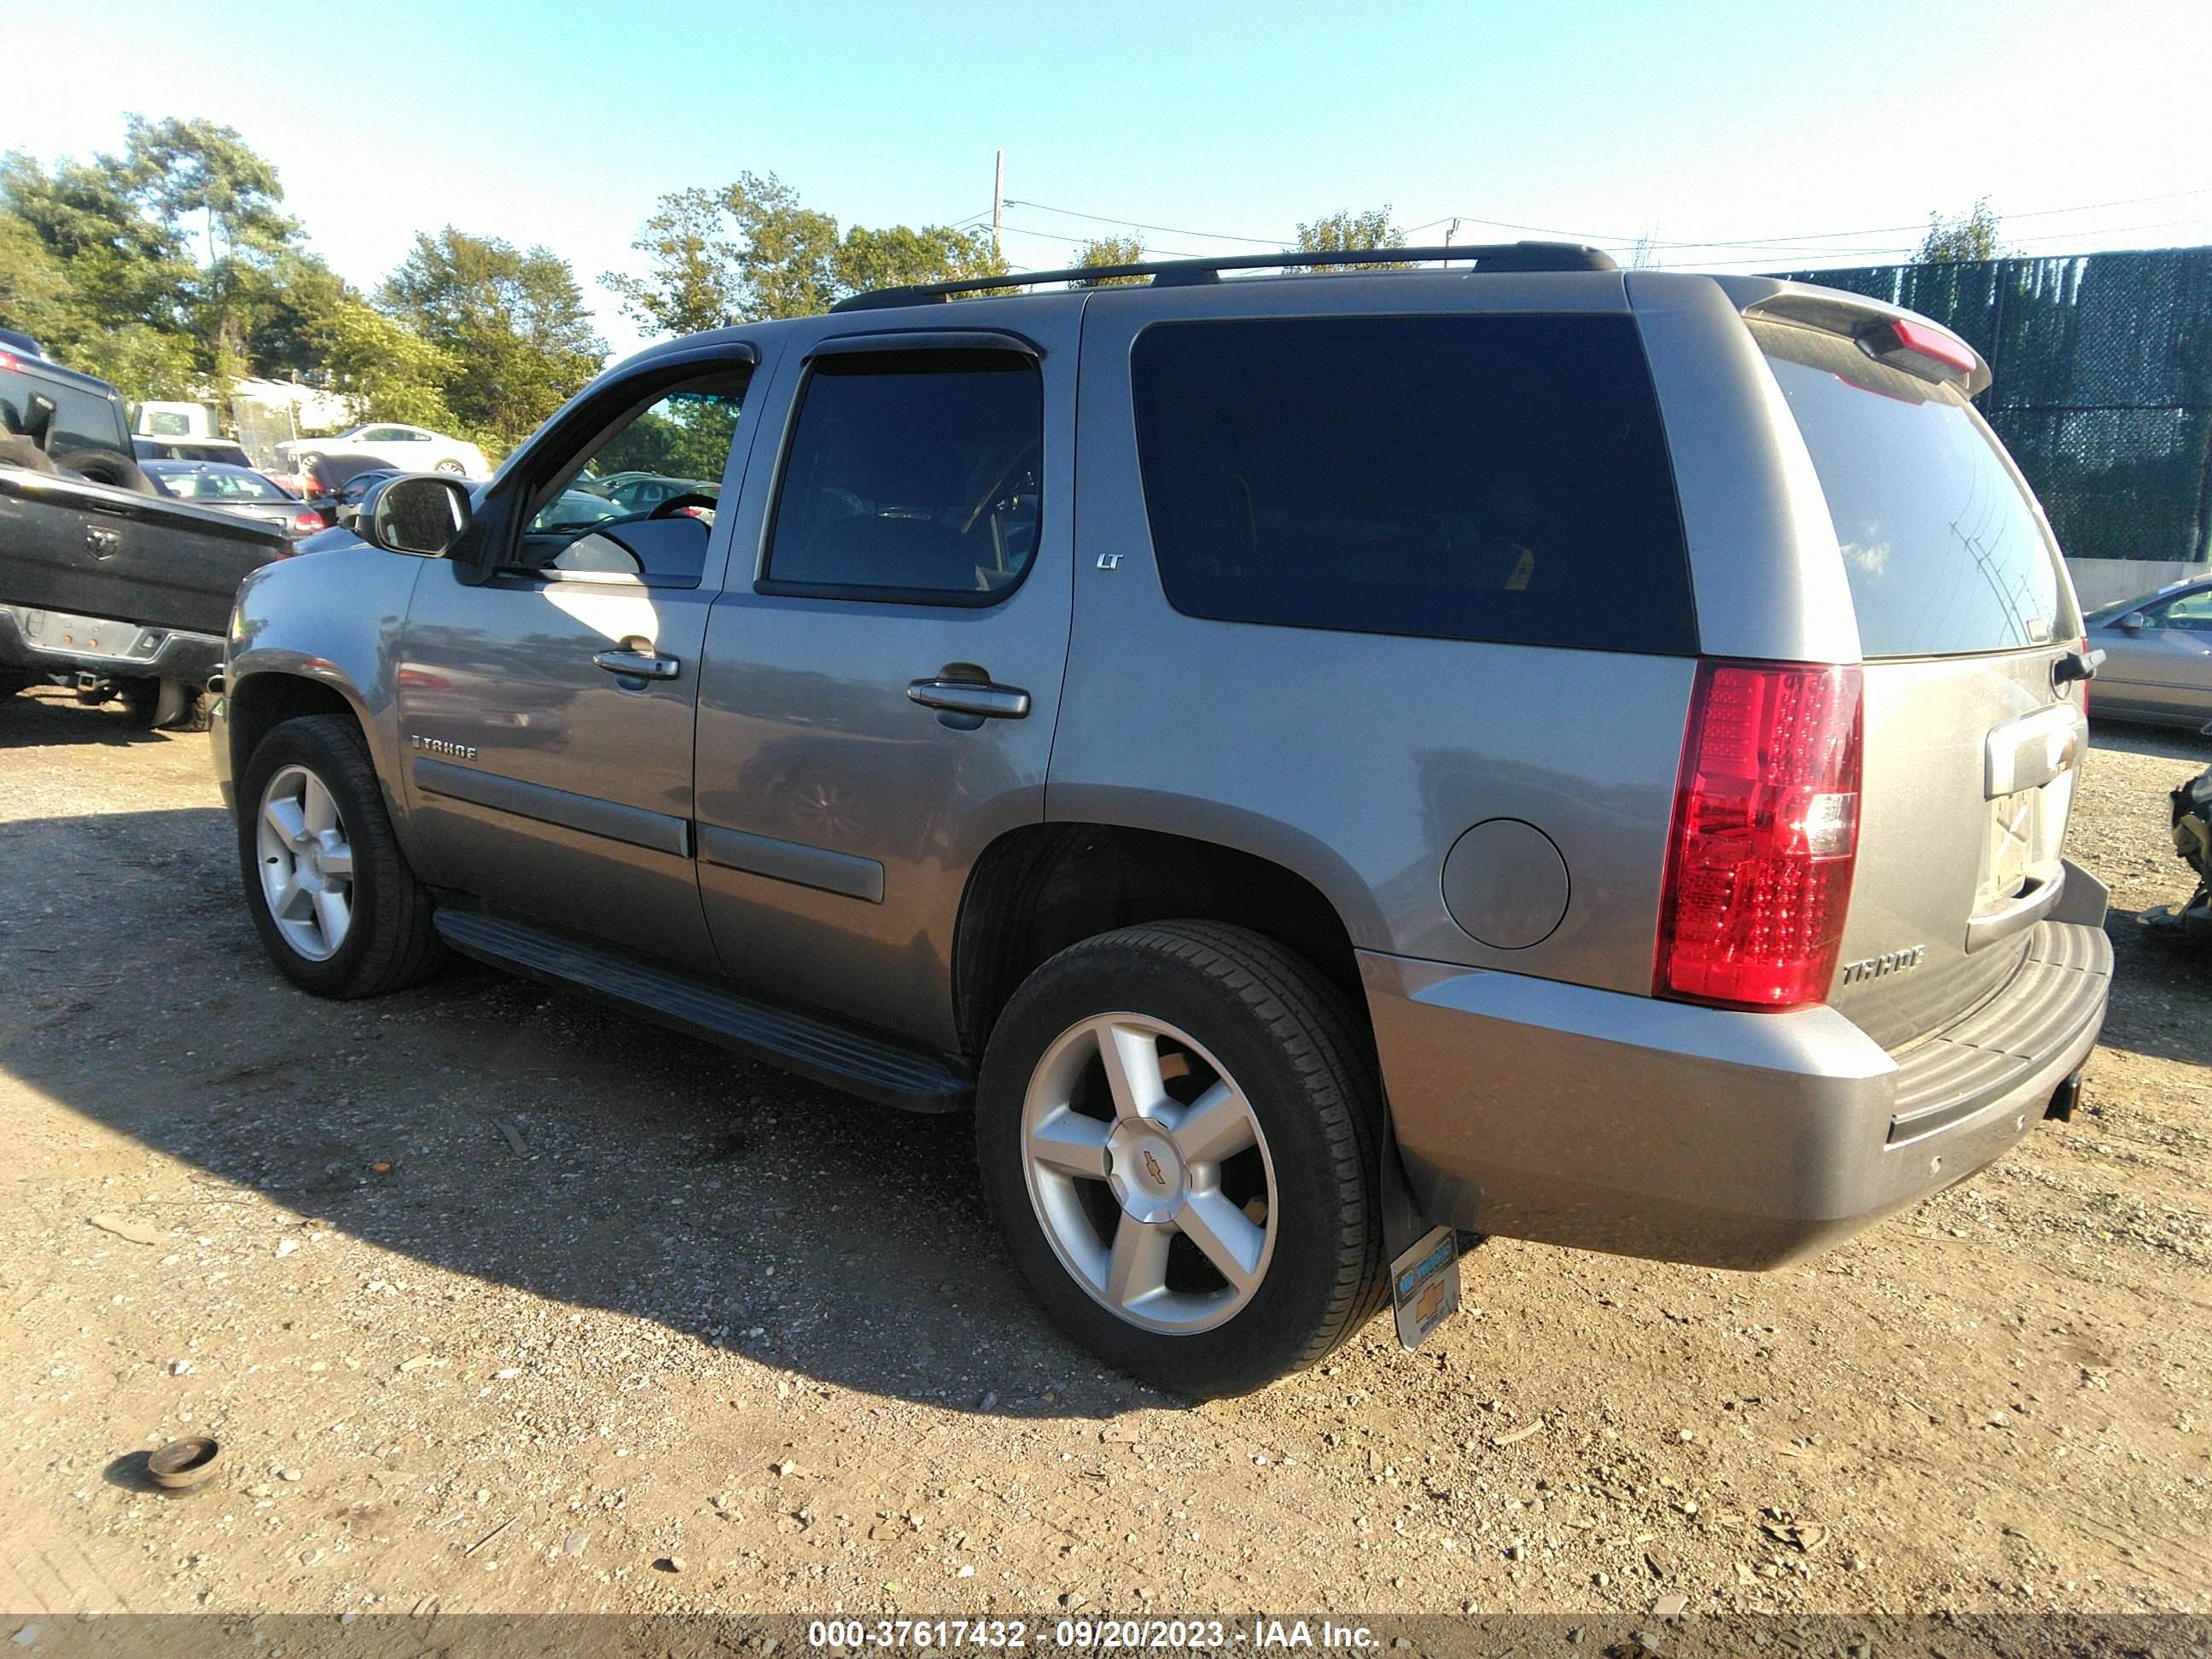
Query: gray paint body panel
[333, 616]
[1576, 1116]
[1221, 730]
[1769, 580]
[806, 733]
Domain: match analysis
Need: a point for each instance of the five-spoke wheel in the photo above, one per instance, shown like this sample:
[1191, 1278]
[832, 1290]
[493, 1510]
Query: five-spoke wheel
[1149, 1172]
[1176, 1127]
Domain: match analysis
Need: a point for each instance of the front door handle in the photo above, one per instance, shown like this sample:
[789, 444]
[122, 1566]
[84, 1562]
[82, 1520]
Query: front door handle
[642, 664]
[978, 700]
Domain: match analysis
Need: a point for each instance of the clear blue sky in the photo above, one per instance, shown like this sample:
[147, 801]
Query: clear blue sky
[1701, 122]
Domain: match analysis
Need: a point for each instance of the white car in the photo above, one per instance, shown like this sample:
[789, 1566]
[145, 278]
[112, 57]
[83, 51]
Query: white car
[408, 449]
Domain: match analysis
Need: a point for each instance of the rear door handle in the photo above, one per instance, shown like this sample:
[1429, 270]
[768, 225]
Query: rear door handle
[979, 700]
[644, 665]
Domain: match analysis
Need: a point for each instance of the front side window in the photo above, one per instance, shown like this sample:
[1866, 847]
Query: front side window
[2191, 612]
[912, 475]
[587, 523]
[1475, 477]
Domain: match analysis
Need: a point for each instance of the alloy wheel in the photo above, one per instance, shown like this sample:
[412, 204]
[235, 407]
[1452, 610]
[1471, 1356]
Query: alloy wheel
[1149, 1173]
[306, 863]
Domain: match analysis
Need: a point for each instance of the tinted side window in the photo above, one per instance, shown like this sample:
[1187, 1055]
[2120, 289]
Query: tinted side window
[1500, 479]
[1941, 547]
[912, 475]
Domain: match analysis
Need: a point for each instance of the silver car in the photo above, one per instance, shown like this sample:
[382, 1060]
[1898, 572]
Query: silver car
[2158, 656]
[1317, 767]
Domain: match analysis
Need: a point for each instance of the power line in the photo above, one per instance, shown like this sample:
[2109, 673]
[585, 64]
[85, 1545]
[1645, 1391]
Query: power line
[1082, 241]
[1797, 242]
[1138, 224]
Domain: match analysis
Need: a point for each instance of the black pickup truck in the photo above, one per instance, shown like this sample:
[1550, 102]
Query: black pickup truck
[107, 585]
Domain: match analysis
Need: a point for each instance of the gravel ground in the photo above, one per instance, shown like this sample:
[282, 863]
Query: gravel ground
[500, 1302]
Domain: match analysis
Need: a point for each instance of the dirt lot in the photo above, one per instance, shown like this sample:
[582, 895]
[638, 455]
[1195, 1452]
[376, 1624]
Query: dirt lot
[497, 1300]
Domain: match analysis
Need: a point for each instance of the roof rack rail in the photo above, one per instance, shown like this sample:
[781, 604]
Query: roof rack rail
[1184, 273]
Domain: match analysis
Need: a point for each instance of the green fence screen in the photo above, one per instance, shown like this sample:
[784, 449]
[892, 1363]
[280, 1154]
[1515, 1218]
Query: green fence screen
[2103, 387]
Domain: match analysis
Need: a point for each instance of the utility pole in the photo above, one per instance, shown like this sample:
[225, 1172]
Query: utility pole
[998, 199]
[1448, 234]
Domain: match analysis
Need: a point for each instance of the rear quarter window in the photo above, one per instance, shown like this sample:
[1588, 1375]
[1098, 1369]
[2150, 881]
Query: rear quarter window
[1475, 477]
[1944, 551]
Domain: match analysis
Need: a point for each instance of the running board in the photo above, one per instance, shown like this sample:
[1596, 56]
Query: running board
[876, 1068]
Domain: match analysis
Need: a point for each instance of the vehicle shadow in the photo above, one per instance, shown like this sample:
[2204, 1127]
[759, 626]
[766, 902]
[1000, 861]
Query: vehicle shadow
[45, 719]
[2162, 979]
[518, 1136]
[2164, 742]
[2161, 1001]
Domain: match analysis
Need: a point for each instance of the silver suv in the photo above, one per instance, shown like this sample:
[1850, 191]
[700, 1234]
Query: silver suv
[1320, 765]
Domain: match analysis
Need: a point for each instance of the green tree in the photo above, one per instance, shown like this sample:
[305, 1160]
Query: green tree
[1970, 236]
[510, 323]
[753, 251]
[1111, 251]
[99, 260]
[389, 371]
[1348, 232]
[694, 281]
[901, 256]
[81, 223]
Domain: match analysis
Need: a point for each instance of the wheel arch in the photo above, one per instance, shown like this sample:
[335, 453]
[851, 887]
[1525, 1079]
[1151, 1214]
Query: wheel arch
[257, 699]
[1037, 889]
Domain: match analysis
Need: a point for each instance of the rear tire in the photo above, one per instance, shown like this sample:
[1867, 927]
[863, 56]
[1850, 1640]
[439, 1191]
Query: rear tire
[1118, 1218]
[338, 910]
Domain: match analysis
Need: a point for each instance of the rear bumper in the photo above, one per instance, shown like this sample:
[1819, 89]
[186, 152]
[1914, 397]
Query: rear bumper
[1650, 1128]
[52, 641]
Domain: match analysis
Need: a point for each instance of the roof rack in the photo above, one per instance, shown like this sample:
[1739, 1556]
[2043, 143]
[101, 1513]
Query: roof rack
[1187, 273]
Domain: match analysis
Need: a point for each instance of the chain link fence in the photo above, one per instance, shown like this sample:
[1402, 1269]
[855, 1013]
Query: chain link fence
[2102, 389]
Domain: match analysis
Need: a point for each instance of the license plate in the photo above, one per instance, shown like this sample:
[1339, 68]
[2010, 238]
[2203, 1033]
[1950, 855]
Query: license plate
[1425, 1286]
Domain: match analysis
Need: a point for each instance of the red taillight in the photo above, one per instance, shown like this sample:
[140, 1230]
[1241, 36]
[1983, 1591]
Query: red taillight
[1758, 870]
[307, 523]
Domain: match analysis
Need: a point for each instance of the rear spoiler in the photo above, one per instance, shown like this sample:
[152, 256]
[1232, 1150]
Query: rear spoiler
[1888, 334]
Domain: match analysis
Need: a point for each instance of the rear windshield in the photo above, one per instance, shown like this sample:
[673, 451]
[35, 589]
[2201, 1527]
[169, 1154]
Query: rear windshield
[1942, 547]
[80, 420]
[1473, 478]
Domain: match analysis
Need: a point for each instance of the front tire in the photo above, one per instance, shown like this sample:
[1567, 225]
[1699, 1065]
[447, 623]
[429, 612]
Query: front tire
[1176, 1127]
[337, 909]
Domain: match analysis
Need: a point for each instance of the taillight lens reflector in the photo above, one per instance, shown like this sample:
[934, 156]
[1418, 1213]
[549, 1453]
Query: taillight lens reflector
[1758, 871]
[308, 521]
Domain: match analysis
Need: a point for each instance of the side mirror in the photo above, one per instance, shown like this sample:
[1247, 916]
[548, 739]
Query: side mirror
[2134, 622]
[419, 513]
